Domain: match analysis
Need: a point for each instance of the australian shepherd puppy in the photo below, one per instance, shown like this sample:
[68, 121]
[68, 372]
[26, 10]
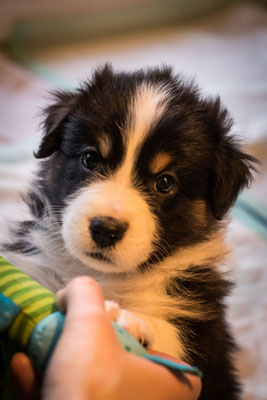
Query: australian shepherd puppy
[138, 171]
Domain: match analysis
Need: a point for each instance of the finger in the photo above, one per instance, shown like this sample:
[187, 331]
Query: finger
[87, 335]
[25, 377]
[84, 302]
[78, 293]
[145, 373]
[195, 382]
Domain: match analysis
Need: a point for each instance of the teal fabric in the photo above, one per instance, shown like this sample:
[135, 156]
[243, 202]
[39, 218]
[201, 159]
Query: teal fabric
[128, 342]
[44, 338]
[131, 345]
[251, 213]
[174, 366]
[8, 312]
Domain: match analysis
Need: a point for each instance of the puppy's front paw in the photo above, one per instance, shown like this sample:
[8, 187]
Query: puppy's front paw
[136, 327]
[132, 324]
[112, 309]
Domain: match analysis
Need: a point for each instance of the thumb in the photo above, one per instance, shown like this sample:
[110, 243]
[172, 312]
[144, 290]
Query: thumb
[83, 302]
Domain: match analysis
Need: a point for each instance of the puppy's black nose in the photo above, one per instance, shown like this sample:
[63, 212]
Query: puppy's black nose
[106, 231]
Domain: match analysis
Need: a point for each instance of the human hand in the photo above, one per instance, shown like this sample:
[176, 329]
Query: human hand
[89, 363]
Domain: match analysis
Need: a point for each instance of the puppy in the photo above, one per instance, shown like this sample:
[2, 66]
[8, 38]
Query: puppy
[137, 172]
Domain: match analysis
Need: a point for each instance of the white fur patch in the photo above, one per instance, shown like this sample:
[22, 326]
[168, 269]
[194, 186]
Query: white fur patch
[147, 107]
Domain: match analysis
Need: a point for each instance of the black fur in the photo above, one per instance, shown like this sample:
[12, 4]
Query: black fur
[209, 342]
[211, 170]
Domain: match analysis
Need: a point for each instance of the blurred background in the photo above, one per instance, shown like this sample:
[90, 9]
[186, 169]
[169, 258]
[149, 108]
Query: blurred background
[46, 45]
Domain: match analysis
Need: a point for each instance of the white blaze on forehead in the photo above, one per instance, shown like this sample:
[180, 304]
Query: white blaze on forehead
[146, 109]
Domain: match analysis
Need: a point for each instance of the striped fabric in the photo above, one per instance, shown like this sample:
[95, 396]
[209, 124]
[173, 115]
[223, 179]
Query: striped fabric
[34, 300]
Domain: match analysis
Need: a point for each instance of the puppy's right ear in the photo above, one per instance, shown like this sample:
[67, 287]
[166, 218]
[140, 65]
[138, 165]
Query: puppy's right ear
[56, 114]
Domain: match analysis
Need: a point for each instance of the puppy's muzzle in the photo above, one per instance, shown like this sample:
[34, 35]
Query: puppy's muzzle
[106, 231]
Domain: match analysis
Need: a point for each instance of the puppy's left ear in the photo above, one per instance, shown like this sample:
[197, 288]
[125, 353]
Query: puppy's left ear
[232, 173]
[55, 116]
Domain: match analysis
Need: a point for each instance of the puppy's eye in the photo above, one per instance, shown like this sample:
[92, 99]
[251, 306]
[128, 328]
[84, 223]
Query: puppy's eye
[165, 184]
[90, 159]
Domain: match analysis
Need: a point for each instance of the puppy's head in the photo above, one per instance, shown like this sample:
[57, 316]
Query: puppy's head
[140, 165]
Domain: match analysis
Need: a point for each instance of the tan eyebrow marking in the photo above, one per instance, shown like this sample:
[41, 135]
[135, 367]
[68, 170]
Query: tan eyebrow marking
[104, 144]
[159, 162]
[199, 213]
